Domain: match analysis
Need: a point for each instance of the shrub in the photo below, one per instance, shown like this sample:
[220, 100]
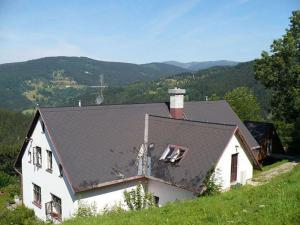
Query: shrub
[84, 209]
[210, 186]
[20, 216]
[115, 209]
[136, 199]
[5, 179]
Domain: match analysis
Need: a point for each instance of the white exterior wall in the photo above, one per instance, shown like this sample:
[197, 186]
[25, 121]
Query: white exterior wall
[223, 167]
[50, 183]
[167, 193]
[107, 197]
[176, 101]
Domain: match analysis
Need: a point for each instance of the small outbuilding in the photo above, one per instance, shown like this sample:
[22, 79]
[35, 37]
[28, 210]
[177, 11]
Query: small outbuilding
[265, 134]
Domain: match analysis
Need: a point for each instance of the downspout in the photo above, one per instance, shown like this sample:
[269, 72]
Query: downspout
[145, 153]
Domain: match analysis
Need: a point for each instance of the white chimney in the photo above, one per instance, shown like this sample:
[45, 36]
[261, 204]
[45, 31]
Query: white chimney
[176, 102]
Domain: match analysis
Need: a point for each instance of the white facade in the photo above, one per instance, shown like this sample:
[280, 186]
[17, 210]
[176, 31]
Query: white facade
[107, 197]
[168, 193]
[50, 183]
[223, 167]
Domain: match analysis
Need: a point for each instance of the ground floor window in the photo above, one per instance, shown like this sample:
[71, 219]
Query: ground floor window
[56, 206]
[37, 199]
[156, 200]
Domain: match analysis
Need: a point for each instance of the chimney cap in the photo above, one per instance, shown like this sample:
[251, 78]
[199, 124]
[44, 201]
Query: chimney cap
[176, 91]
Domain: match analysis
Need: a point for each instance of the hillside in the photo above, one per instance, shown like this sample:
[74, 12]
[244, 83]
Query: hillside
[22, 90]
[216, 80]
[13, 128]
[195, 66]
[16, 79]
[274, 203]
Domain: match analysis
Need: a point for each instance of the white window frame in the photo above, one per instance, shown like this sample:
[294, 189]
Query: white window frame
[173, 153]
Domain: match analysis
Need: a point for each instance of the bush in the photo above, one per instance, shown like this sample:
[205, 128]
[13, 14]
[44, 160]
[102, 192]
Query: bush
[85, 209]
[137, 200]
[20, 216]
[210, 186]
[5, 179]
[12, 190]
[115, 209]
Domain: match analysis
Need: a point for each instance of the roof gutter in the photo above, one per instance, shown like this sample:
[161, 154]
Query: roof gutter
[110, 183]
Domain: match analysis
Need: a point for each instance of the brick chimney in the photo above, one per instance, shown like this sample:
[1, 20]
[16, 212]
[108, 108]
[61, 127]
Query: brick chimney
[176, 102]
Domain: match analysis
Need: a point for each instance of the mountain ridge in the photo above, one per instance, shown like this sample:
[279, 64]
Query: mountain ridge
[195, 66]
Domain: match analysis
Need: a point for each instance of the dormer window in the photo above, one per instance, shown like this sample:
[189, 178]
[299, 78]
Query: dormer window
[173, 153]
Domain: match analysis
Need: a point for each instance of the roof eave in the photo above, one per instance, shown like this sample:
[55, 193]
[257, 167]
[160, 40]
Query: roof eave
[109, 183]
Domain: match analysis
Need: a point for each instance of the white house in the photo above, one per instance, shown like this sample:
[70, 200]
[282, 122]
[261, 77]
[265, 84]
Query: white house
[94, 153]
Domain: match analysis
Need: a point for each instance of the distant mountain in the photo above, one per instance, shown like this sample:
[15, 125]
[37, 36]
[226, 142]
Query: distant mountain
[195, 66]
[23, 83]
[213, 81]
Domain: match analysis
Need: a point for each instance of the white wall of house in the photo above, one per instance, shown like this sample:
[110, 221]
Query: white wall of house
[107, 197]
[50, 183]
[223, 167]
[167, 193]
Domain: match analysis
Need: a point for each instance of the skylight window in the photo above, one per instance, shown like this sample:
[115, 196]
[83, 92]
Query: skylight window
[173, 153]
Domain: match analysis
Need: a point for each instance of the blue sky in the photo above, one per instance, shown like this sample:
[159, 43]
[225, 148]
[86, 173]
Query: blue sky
[141, 31]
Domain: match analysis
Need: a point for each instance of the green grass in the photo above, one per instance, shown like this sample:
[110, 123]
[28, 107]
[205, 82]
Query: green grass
[277, 202]
[268, 167]
[4, 198]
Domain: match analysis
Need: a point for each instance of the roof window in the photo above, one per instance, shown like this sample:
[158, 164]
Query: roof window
[173, 153]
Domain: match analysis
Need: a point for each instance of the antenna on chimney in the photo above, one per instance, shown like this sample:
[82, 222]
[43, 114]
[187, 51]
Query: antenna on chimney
[100, 97]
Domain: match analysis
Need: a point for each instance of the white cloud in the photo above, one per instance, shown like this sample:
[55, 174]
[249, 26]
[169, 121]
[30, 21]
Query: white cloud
[160, 24]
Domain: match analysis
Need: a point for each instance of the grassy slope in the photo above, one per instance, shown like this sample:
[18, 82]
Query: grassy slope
[275, 203]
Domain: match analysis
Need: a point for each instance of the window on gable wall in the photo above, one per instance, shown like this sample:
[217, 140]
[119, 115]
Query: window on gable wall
[43, 126]
[29, 156]
[173, 153]
[60, 170]
[37, 199]
[49, 161]
[37, 156]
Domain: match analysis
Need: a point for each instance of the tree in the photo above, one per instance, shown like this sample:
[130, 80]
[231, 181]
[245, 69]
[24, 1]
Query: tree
[279, 71]
[244, 103]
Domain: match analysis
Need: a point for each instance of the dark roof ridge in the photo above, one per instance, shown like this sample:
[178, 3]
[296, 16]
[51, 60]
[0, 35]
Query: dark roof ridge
[196, 121]
[125, 104]
[76, 108]
[261, 122]
[207, 102]
[94, 106]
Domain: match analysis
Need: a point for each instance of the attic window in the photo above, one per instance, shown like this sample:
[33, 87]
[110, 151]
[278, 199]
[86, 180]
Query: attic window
[173, 153]
[43, 127]
[60, 170]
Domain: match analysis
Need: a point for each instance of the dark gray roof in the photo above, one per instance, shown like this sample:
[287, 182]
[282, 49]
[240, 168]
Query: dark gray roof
[98, 144]
[217, 112]
[259, 130]
[205, 142]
